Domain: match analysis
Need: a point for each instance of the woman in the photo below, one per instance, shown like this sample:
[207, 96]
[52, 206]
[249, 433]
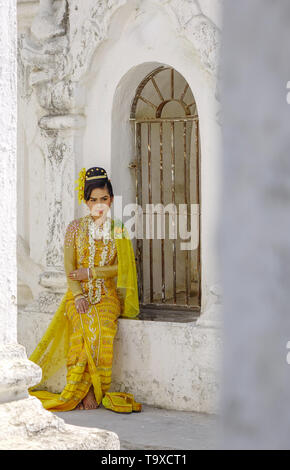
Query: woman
[102, 285]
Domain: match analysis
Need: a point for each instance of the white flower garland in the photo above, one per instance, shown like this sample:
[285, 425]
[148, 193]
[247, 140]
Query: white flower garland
[96, 232]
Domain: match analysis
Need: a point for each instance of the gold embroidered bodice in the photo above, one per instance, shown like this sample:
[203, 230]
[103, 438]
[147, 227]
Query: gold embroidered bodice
[76, 255]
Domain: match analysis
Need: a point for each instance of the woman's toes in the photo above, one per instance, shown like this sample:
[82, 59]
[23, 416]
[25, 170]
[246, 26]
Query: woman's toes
[87, 405]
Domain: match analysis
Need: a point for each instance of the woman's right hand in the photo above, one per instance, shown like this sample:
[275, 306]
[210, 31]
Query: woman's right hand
[82, 305]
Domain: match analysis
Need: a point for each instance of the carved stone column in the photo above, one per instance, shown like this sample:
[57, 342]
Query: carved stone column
[44, 55]
[16, 372]
[25, 424]
[59, 136]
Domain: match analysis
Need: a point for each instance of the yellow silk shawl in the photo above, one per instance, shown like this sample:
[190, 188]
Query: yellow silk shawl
[51, 352]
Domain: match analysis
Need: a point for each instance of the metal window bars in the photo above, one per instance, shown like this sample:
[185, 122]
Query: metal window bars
[167, 277]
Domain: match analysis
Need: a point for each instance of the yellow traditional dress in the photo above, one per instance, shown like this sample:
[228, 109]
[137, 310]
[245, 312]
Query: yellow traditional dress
[84, 341]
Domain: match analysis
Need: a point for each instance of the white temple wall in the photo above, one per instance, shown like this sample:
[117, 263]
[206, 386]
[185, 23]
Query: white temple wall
[111, 86]
[172, 365]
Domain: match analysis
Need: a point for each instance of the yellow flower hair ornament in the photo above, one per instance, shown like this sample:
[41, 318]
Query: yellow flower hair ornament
[81, 185]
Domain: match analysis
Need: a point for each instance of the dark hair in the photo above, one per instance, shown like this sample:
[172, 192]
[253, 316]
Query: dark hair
[90, 185]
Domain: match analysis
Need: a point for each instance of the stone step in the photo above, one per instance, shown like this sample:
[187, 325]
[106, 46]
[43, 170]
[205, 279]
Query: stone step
[153, 428]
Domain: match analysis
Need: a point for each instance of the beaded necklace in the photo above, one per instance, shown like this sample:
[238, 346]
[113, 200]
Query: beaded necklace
[97, 232]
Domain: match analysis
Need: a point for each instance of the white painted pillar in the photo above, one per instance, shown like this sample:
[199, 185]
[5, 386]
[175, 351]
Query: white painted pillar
[8, 271]
[25, 424]
[254, 232]
[16, 372]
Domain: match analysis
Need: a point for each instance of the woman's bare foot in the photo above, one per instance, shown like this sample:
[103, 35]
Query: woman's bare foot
[89, 401]
[80, 406]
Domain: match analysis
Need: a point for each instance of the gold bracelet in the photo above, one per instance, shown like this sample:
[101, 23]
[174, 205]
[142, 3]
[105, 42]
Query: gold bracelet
[79, 295]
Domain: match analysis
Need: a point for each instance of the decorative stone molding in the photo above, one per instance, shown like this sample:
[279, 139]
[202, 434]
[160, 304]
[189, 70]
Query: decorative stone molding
[46, 302]
[59, 50]
[58, 149]
[187, 15]
[17, 373]
[49, 23]
[67, 121]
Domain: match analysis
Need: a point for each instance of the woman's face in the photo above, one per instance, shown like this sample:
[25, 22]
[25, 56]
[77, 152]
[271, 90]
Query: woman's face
[99, 202]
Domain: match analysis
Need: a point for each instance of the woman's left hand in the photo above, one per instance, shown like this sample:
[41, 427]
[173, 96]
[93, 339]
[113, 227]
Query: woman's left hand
[80, 274]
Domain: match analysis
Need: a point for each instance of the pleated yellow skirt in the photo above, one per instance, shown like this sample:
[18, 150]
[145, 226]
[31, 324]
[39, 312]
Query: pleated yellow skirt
[90, 354]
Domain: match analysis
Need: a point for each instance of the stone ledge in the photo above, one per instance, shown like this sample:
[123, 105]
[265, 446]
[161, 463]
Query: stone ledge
[25, 425]
[165, 364]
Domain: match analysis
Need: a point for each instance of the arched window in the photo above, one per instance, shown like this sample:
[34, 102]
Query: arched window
[166, 129]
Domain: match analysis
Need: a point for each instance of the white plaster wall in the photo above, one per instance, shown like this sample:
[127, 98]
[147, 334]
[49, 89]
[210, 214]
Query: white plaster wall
[31, 216]
[8, 77]
[169, 365]
[143, 37]
[144, 40]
